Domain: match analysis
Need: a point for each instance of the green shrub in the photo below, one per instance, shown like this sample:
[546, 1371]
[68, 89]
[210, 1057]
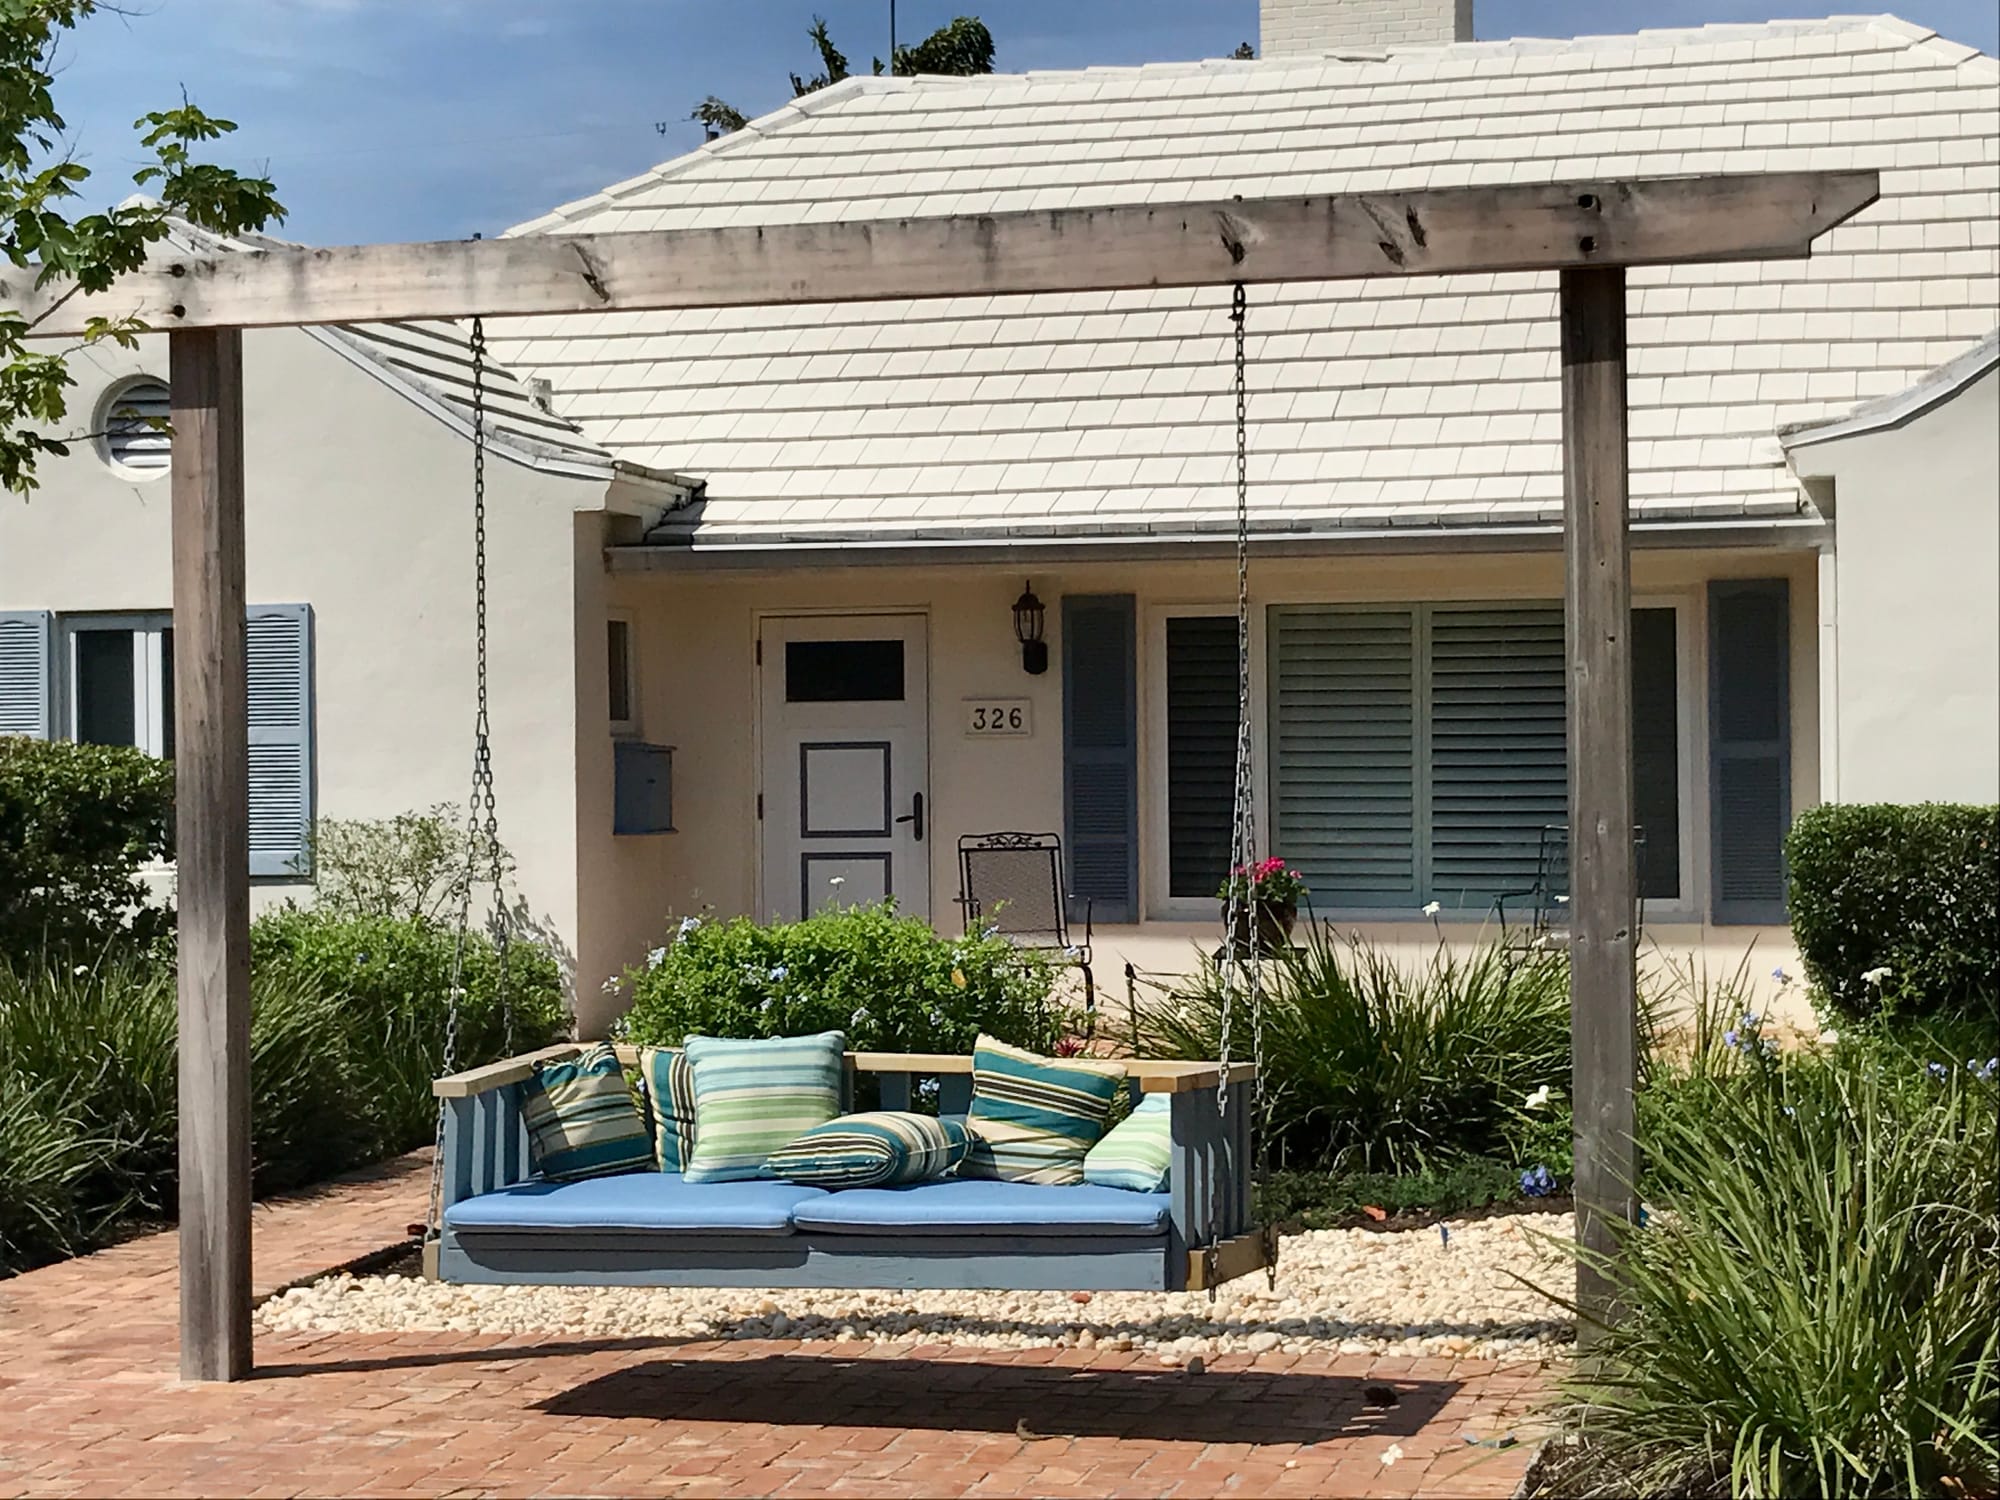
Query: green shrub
[889, 982]
[390, 977]
[45, 1155]
[414, 865]
[1369, 1066]
[1332, 1200]
[77, 823]
[1898, 908]
[1812, 1305]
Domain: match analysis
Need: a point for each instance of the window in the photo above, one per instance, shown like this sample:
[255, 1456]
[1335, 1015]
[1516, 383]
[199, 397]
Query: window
[844, 671]
[624, 677]
[1418, 752]
[1200, 752]
[132, 421]
[121, 682]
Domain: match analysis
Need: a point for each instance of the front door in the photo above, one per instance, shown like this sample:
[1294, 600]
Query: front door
[846, 763]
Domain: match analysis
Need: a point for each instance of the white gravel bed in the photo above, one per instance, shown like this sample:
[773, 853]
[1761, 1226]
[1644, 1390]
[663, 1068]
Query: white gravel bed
[1355, 1291]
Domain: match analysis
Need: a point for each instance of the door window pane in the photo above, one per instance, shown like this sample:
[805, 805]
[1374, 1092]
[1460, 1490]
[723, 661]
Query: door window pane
[105, 712]
[843, 671]
[618, 653]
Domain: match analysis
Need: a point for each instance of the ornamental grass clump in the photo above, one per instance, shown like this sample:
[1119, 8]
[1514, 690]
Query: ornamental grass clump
[1814, 1306]
[1379, 1066]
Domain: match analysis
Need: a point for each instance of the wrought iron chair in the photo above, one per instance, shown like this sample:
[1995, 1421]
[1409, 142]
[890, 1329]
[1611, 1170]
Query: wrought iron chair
[1013, 883]
[1548, 897]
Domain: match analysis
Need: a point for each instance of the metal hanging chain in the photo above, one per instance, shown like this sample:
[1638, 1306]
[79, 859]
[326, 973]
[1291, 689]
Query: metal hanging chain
[482, 822]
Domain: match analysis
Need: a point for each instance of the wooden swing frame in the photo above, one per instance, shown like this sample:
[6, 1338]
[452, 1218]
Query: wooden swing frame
[1590, 232]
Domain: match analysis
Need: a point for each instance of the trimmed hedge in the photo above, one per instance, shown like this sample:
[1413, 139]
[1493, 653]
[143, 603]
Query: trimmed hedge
[77, 824]
[1913, 890]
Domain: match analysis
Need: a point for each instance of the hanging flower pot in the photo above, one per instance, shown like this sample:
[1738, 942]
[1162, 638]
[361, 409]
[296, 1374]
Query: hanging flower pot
[1266, 905]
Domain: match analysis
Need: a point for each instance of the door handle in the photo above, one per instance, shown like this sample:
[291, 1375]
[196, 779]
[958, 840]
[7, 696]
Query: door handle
[915, 815]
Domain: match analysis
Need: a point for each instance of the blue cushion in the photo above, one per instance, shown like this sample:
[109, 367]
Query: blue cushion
[637, 1200]
[959, 1206]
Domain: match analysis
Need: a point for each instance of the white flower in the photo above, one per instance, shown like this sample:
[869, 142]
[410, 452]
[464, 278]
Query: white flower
[1538, 1098]
[688, 924]
[1430, 911]
[1875, 975]
[80, 970]
[1829, 1036]
[655, 958]
[1391, 1453]
[837, 881]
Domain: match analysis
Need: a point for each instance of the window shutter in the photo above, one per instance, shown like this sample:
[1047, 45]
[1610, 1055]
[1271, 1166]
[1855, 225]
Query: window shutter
[1749, 728]
[1498, 748]
[1201, 751]
[27, 648]
[1101, 754]
[1343, 746]
[1656, 750]
[281, 728]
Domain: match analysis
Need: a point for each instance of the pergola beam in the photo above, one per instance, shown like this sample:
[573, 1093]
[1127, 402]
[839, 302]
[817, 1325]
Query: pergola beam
[1538, 226]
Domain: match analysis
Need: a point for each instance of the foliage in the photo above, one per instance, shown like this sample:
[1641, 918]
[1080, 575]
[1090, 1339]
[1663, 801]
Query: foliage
[40, 178]
[963, 48]
[1813, 1308]
[415, 865]
[77, 823]
[1371, 1066]
[1897, 908]
[889, 982]
[1335, 1200]
[393, 975]
[1268, 880]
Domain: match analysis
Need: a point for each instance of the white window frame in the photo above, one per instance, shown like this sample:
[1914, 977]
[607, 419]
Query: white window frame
[1689, 718]
[1154, 865]
[626, 728]
[149, 708]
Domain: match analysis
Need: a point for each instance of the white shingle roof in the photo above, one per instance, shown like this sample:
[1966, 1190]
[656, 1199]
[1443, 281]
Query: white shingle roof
[1423, 402]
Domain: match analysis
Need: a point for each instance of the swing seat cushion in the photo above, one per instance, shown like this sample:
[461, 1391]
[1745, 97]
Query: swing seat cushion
[581, 1119]
[752, 1096]
[1137, 1155]
[661, 1202]
[973, 1208]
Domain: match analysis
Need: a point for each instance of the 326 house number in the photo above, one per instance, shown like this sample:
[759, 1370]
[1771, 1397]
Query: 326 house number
[998, 718]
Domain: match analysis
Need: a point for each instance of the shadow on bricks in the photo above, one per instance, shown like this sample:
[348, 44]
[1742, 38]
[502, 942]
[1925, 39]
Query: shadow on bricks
[790, 1390]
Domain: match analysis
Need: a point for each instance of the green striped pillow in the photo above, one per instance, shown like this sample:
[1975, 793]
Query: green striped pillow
[668, 1079]
[1033, 1118]
[1137, 1152]
[881, 1148]
[581, 1119]
[750, 1097]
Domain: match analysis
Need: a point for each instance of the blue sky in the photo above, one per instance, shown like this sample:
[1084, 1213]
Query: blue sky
[433, 119]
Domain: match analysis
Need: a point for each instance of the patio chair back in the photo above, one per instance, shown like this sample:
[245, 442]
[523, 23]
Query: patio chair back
[1013, 882]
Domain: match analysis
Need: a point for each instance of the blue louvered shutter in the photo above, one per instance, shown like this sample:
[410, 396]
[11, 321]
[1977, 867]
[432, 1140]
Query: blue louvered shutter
[1749, 748]
[1101, 754]
[1201, 752]
[281, 739]
[27, 650]
[1498, 749]
[1343, 752]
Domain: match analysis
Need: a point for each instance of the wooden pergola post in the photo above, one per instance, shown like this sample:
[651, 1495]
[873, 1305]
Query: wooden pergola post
[212, 843]
[1588, 231]
[1597, 612]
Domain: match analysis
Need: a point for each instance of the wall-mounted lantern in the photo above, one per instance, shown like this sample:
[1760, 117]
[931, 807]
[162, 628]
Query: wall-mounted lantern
[1029, 618]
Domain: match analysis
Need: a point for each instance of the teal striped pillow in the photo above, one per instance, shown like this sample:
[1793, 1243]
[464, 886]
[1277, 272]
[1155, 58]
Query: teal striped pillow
[750, 1097]
[581, 1119]
[882, 1148]
[1137, 1152]
[668, 1079]
[1033, 1118]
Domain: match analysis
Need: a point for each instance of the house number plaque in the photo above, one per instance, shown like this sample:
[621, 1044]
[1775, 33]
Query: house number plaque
[999, 718]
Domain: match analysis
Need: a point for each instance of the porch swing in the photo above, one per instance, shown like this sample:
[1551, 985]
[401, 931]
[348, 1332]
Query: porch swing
[489, 1223]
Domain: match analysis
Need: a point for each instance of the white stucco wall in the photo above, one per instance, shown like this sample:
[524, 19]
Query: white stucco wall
[1916, 603]
[359, 504]
[696, 637]
[1311, 27]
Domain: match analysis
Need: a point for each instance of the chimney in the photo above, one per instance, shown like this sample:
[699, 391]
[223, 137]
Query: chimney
[1291, 28]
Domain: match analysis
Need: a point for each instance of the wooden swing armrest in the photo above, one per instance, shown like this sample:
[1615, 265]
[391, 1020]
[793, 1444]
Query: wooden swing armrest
[499, 1074]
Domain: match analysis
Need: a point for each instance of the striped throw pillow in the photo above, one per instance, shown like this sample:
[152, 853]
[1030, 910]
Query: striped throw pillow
[581, 1119]
[1136, 1152]
[881, 1148]
[750, 1097]
[1033, 1118]
[668, 1079]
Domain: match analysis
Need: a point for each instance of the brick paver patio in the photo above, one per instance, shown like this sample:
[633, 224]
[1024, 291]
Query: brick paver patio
[89, 1403]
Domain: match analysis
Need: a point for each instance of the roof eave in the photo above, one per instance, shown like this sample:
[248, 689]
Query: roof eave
[1884, 412]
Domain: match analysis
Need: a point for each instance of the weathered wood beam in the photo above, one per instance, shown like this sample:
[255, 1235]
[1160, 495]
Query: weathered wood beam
[212, 841]
[1598, 611]
[1534, 226]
